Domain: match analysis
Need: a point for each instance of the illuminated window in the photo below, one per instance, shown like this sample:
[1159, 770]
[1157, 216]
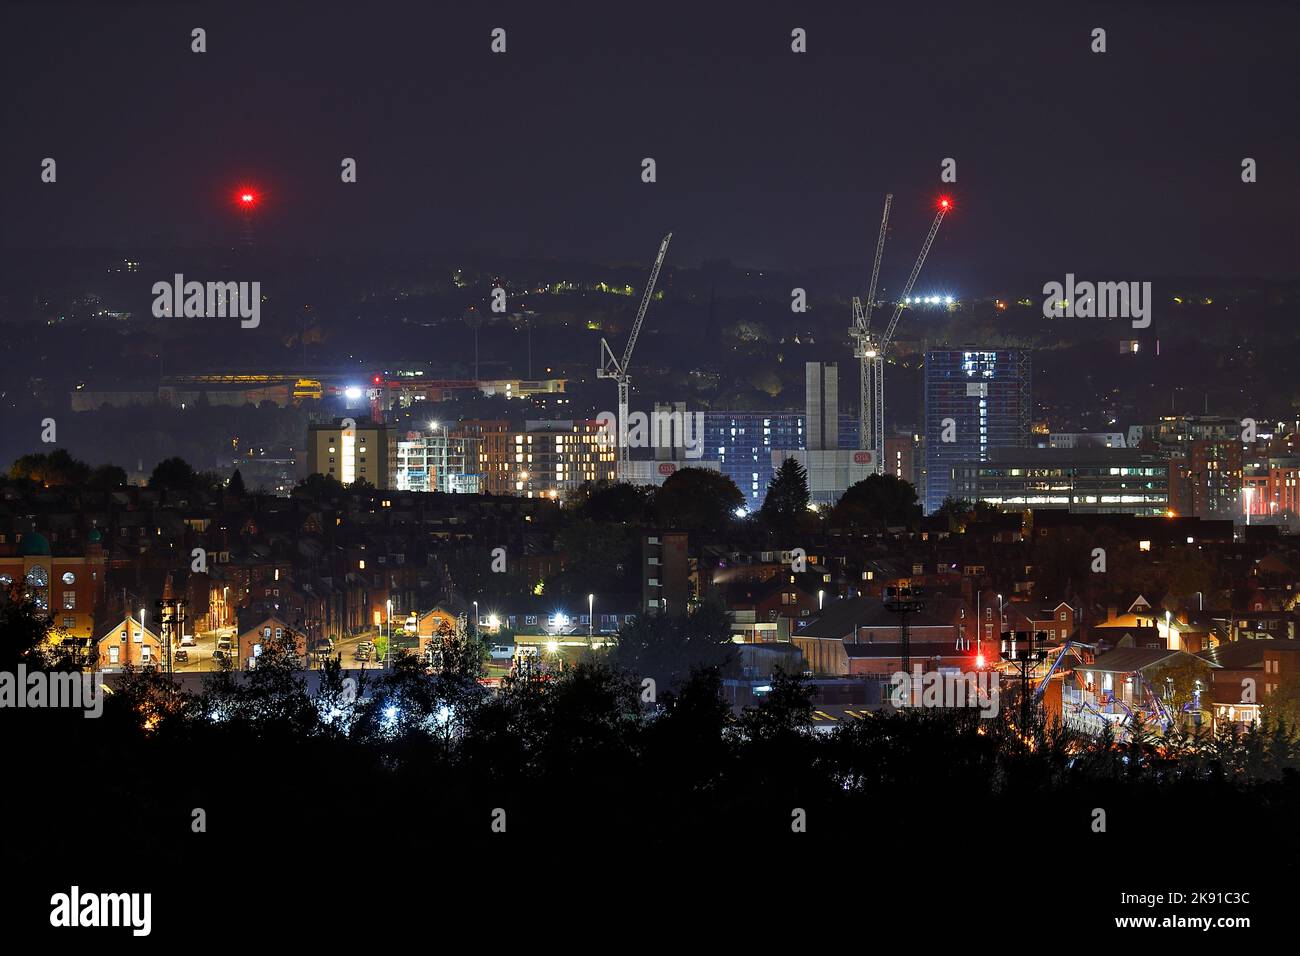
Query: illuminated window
[349, 459]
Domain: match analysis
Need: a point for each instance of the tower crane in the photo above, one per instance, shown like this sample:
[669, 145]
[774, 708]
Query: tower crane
[860, 331]
[611, 367]
[871, 347]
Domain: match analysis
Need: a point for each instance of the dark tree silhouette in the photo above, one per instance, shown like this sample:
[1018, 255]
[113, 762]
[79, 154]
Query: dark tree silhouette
[877, 502]
[697, 499]
[106, 478]
[173, 474]
[319, 488]
[667, 647]
[54, 468]
[612, 502]
[786, 505]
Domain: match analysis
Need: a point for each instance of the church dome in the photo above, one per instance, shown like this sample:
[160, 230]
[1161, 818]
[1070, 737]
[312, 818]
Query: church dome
[33, 544]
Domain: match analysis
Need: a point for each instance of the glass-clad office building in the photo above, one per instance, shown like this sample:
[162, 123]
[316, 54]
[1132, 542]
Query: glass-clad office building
[743, 442]
[975, 400]
[1081, 480]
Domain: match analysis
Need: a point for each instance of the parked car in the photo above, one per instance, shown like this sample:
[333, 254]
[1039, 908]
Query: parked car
[187, 640]
[501, 652]
[181, 656]
[365, 650]
[223, 644]
[220, 656]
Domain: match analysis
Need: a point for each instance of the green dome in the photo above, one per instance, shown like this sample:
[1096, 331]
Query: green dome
[33, 544]
[95, 537]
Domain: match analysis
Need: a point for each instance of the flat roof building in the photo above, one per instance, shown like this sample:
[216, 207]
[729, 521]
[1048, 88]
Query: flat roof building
[551, 458]
[976, 400]
[350, 451]
[1082, 480]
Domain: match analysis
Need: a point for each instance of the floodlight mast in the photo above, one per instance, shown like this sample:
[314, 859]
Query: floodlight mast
[611, 367]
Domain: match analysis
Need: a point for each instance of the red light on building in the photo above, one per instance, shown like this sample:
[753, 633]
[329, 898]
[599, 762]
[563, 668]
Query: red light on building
[945, 203]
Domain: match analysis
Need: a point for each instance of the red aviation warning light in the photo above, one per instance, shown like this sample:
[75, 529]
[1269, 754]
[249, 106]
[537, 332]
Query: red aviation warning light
[246, 197]
[945, 203]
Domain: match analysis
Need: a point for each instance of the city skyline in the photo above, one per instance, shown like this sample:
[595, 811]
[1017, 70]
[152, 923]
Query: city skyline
[559, 471]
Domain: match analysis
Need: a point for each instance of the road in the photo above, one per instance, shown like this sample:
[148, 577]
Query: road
[201, 659]
[200, 655]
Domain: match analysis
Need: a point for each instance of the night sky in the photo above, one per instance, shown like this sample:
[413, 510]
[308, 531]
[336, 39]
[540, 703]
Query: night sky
[1125, 163]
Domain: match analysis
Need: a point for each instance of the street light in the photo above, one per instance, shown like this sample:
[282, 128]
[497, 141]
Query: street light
[476, 618]
[1002, 624]
[389, 644]
[820, 595]
[591, 607]
[141, 633]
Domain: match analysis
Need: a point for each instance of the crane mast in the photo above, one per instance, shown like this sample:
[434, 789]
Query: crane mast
[611, 367]
[860, 331]
[870, 348]
[878, 362]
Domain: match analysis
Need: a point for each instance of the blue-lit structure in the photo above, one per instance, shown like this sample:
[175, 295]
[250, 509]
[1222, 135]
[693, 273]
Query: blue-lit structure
[743, 443]
[987, 394]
